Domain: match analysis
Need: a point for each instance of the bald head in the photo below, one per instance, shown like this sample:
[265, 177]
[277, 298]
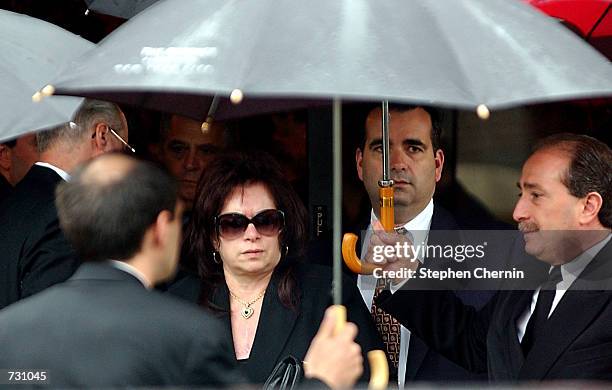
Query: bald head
[107, 170]
[110, 203]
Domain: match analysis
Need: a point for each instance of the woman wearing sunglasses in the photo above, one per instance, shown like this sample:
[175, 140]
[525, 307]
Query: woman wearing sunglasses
[248, 234]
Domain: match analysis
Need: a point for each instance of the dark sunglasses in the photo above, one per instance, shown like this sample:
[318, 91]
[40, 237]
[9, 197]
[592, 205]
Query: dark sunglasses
[233, 225]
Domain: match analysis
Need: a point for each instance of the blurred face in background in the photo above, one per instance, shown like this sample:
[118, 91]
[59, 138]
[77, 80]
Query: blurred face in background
[186, 150]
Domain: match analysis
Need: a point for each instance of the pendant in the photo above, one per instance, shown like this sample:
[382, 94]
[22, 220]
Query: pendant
[247, 312]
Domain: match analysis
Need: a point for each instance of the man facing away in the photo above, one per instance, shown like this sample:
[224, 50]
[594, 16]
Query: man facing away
[560, 331]
[35, 254]
[105, 326]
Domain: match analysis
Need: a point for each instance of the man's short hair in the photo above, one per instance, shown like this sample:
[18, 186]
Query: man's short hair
[107, 219]
[590, 168]
[435, 114]
[10, 144]
[89, 112]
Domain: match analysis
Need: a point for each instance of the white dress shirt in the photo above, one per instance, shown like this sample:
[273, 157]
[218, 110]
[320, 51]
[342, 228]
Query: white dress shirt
[125, 267]
[63, 174]
[419, 230]
[570, 271]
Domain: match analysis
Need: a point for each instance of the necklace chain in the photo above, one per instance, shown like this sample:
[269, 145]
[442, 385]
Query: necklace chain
[247, 304]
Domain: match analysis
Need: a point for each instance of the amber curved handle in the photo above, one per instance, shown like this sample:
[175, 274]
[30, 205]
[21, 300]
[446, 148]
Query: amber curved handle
[352, 261]
[379, 368]
[349, 240]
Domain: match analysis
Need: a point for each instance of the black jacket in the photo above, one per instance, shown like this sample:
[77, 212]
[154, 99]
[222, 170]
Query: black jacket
[576, 345]
[34, 253]
[282, 331]
[102, 328]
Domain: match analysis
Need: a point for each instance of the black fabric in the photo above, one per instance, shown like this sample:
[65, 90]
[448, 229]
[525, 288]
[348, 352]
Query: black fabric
[102, 328]
[538, 319]
[575, 342]
[5, 188]
[35, 253]
[282, 332]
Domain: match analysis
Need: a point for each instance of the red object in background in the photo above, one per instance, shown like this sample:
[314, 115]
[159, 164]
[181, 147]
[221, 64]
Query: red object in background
[591, 19]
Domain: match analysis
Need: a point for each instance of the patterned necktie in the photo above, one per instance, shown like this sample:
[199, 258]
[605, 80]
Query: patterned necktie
[388, 328]
[539, 316]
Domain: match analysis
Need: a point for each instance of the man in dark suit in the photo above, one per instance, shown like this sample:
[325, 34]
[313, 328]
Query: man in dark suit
[35, 254]
[16, 157]
[105, 326]
[416, 162]
[562, 329]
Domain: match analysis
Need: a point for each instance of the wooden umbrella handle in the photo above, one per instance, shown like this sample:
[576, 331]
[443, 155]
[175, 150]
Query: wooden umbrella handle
[379, 368]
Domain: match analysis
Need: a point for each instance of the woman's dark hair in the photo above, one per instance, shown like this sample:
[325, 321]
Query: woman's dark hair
[221, 177]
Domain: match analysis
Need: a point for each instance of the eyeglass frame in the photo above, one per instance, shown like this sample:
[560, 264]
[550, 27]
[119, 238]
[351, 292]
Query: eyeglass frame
[113, 132]
[218, 231]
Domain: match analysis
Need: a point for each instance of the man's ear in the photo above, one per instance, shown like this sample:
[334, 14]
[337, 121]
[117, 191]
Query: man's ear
[5, 158]
[100, 138]
[359, 162]
[590, 206]
[162, 223]
[439, 161]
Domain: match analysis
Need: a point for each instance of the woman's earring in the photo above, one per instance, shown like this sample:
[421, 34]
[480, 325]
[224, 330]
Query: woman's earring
[286, 250]
[217, 261]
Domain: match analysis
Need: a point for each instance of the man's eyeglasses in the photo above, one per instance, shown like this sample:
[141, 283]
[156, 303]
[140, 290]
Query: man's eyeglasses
[233, 225]
[128, 146]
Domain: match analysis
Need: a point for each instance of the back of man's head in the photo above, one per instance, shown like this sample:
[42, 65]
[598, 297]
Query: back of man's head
[110, 203]
[79, 131]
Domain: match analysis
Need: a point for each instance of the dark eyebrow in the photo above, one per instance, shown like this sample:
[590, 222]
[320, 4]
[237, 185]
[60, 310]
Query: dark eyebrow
[406, 142]
[529, 186]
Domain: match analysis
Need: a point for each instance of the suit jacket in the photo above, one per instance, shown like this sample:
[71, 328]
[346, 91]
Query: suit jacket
[577, 342]
[282, 331]
[102, 328]
[424, 363]
[35, 253]
[5, 188]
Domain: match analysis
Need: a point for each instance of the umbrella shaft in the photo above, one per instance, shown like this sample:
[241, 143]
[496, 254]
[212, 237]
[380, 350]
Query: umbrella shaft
[385, 140]
[337, 203]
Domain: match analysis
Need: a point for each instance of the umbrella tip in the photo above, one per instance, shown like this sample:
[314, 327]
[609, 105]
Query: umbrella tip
[236, 96]
[37, 97]
[48, 90]
[483, 112]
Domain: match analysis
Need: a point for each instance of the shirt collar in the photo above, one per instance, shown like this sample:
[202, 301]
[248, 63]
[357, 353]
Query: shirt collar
[63, 174]
[417, 226]
[571, 270]
[125, 267]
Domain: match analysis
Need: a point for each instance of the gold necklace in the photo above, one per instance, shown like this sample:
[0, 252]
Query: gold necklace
[247, 311]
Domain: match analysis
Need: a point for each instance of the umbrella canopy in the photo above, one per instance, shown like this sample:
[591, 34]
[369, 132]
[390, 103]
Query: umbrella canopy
[33, 51]
[461, 53]
[591, 19]
[119, 8]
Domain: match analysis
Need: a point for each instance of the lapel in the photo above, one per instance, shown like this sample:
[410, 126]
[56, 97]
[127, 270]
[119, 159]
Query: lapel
[276, 323]
[564, 326]
[417, 349]
[512, 352]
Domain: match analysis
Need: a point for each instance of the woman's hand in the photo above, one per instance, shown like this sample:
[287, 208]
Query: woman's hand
[334, 358]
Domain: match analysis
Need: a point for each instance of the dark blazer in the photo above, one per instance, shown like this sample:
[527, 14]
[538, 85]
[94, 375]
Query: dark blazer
[576, 345]
[5, 188]
[102, 328]
[424, 363]
[34, 252]
[282, 331]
